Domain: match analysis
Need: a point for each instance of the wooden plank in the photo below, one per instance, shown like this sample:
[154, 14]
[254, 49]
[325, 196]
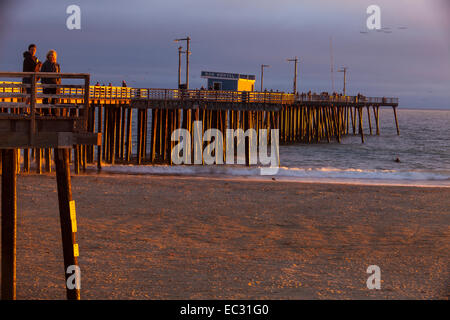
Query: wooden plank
[58, 96]
[13, 105]
[62, 86]
[11, 140]
[14, 85]
[13, 95]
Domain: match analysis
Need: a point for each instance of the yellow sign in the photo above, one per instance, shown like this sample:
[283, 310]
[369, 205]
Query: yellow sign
[76, 253]
[73, 215]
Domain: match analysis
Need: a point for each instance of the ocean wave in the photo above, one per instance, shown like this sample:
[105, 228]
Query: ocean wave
[309, 173]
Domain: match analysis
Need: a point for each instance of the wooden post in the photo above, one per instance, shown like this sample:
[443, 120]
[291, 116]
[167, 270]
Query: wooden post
[246, 123]
[122, 134]
[99, 128]
[92, 129]
[302, 120]
[396, 120]
[154, 133]
[18, 157]
[361, 129]
[26, 160]
[160, 143]
[166, 141]
[38, 160]
[377, 122]
[105, 133]
[318, 124]
[118, 133]
[353, 114]
[172, 119]
[346, 120]
[145, 131]
[337, 123]
[327, 124]
[129, 139]
[189, 128]
[139, 136]
[114, 129]
[370, 121]
[9, 223]
[84, 157]
[67, 217]
[48, 165]
[86, 101]
[76, 160]
[142, 134]
[225, 122]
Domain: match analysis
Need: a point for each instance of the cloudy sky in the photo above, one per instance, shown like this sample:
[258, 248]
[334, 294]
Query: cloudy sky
[133, 40]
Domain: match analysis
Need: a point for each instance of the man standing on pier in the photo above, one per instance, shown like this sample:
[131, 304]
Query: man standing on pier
[30, 63]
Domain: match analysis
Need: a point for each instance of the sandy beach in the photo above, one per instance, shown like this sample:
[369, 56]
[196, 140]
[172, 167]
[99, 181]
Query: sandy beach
[172, 237]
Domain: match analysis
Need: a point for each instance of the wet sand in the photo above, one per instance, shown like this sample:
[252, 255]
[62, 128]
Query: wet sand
[162, 237]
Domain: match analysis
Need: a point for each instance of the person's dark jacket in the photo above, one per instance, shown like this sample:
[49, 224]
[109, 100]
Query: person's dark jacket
[50, 67]
[30, 64]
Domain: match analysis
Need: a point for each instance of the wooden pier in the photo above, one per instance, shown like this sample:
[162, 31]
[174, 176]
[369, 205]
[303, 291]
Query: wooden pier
[85, 124]
[136, 123]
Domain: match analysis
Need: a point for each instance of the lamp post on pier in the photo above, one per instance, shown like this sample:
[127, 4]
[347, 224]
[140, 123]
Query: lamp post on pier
[262, 74]
[295, 60]
[344, 70]
[180, 52]
[188, 52]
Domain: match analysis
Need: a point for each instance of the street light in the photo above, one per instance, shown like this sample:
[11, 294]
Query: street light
[295, 72]
[187, 39]
[344, 70]
[262, 74]
[180, 52]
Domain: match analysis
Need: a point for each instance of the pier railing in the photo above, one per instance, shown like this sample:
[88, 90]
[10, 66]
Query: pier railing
[111, 94]
[42, 115]
[31, 95]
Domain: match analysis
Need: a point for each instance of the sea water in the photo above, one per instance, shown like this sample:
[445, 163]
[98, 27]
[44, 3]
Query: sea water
[422, 148]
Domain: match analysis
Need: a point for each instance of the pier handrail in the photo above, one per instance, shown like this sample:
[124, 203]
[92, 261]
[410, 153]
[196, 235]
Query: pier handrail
[128, 93]
[22, 100]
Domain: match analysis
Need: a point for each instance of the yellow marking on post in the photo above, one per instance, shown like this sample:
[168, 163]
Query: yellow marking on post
[73, 215]
[74, 225]
[76, 253]
[72, 210]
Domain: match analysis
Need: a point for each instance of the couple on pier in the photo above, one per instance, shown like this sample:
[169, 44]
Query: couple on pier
[32, 64]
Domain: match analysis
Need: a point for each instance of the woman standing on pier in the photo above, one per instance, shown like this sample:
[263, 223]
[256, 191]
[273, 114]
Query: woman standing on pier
[50, 65]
